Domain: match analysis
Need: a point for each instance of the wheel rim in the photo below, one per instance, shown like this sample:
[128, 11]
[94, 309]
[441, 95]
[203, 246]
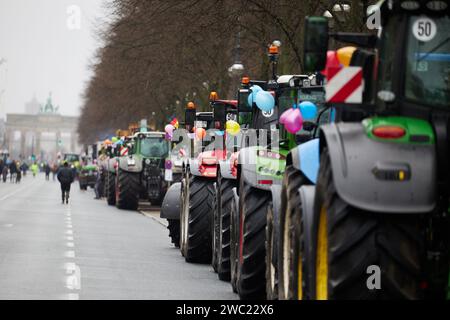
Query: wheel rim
[185, 212]
[299, 277]
[322, 257]
[271, 267]
[286, 252]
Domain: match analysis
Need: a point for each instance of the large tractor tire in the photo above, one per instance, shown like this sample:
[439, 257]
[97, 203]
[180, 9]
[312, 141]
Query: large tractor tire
[127, 190]
[234, 243]
[253, 202]
[198, 229]
[110, 188]
[215, 228]
[290, 267]
[350, 240]
[225, 188]
[174, 231]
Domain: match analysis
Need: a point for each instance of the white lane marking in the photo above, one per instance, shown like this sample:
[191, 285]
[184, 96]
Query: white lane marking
[69, 225]
[18, 190]
[73, 296]
[69, 254]
[69, 238]
[69, 232]
[8, 225]
[73, 281]
[70, 244]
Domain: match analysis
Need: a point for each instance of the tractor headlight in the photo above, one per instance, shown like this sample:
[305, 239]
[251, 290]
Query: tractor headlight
[147, 161]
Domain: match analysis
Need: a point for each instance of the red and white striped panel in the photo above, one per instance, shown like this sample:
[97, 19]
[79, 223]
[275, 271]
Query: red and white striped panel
[344, 85]
[123, 151]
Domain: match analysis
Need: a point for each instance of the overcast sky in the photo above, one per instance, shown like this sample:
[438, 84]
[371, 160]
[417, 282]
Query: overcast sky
[46, 51]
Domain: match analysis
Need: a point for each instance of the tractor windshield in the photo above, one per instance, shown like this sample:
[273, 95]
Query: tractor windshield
[428, 61]
[152, 147]
[71, 158]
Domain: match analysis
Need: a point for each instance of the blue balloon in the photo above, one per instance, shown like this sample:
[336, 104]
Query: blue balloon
[219, 132]
[308, 110]
[265, 101]
[251, 97]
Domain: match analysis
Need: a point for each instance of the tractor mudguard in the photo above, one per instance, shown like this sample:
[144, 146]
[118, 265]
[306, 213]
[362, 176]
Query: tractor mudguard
[130, 163]
[170, 208]
[276, 205]
[305, 158]
[307, 194]
[248, 163]
[380, 176]
[225, 169]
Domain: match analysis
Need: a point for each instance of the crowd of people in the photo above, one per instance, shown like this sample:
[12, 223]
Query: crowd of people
[14, 170]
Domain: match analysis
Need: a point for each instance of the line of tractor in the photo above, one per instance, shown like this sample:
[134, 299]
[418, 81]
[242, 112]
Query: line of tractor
[332, 184]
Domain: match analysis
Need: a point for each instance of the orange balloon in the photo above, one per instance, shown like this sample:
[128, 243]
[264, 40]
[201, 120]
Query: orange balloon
[345, 54]
[200, 133]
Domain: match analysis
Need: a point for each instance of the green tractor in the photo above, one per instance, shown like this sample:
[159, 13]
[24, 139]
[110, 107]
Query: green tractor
[142, 170]
[87, 176]
[376, 224]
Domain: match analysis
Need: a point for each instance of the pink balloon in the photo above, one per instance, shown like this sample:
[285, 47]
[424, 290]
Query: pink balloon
[332, 61]
[294, 122]
[169, 129]
[285, 115]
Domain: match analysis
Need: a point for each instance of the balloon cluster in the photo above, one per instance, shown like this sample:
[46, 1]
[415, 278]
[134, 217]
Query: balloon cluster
[338, 59]
[169, 128]
[232, 127]
[293, 118]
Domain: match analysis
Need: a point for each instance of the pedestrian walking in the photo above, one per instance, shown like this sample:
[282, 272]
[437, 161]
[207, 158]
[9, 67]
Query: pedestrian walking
[34, 169]
[24, 168]
[65, 178]
[47, 171]
[12, 171]
[5, 173]
[54, 171]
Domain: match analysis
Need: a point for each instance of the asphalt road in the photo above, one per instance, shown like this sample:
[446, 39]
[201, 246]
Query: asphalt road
[89, 250]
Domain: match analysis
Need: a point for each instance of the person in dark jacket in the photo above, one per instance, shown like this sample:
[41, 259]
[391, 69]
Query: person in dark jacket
[47, 170]
[65, 178]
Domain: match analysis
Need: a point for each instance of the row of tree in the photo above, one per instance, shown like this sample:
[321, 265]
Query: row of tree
[159, 54]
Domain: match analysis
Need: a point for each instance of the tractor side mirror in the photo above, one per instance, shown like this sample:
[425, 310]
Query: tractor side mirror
[219, 114]
[315, 43]
[244, 108]
[190, 119]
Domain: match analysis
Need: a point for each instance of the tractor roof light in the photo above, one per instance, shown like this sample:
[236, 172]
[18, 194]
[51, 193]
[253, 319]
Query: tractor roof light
[410, 5]
[389, 132]
[273, 50]
[213, 96]
[190, 105]
[437, 5]
[245, 80]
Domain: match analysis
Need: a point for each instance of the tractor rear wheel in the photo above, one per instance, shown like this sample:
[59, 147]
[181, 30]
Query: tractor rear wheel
[358, 250]
[253, 204]
[290, 249]
[198, 237]
[223, 255]
[111, 188]
[128, 188]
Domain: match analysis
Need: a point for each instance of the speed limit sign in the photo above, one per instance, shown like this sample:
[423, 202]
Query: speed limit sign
[424, 29]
